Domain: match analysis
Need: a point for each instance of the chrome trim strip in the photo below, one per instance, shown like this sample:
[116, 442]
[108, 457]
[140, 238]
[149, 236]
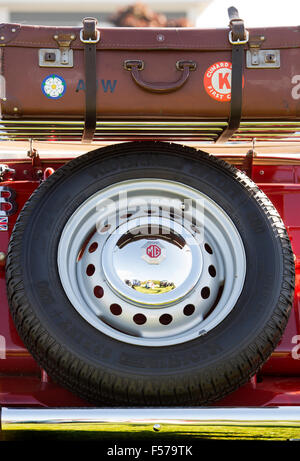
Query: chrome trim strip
[41, 136]
[244, 131]
[112, 123]
[276, 423]
[125, 130]
[269, 123]
[46, 130]
[272, 129]
[150, 123]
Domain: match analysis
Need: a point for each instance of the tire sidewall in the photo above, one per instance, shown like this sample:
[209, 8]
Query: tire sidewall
[56, 202]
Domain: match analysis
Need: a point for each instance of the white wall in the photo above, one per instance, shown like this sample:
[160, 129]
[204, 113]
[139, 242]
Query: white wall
[192, 9]
[4, 14]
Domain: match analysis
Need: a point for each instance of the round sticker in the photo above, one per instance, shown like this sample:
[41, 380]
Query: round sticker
[153, 251]
[53, 86]
[217, 81]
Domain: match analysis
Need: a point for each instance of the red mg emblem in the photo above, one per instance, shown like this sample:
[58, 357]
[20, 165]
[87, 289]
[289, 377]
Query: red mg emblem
[153, 251]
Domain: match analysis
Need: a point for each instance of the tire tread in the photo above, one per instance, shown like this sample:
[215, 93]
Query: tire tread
[99, 387]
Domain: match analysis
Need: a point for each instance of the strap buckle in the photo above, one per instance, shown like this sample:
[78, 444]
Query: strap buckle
[90, 40]
[238, 41]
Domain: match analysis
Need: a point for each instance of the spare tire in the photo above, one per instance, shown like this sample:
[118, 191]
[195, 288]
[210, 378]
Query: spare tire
[150, 274]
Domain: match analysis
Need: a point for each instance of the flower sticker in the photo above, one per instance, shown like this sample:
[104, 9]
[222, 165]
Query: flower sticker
[54, 86]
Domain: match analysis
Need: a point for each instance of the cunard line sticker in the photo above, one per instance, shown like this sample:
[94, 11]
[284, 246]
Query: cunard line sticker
[54, 86]
[217, 81]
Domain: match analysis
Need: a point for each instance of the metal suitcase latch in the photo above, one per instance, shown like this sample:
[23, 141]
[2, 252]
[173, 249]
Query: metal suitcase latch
[262, 59]
[58, 57]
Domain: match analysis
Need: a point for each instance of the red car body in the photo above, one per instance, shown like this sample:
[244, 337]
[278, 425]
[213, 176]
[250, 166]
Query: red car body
[24, 384]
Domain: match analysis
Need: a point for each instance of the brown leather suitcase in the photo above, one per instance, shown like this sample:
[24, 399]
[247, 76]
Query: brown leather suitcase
[164, 83]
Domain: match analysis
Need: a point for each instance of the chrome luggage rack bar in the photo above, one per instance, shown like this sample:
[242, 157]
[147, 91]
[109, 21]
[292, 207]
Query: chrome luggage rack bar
[202, 131]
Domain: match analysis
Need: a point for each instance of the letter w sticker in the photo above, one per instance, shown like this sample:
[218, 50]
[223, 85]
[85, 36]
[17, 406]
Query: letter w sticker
[108, 85]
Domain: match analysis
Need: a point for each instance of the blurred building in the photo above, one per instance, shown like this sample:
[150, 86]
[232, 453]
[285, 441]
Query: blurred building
[70, 12]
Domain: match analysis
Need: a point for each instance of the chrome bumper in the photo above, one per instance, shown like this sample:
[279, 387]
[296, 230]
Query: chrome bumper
[272, 423]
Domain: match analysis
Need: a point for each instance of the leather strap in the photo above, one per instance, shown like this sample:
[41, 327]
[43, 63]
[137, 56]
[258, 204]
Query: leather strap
[238, 38]
[236, 24]
[90, 36]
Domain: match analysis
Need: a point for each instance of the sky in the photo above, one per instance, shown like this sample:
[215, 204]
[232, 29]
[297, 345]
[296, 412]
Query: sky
[256, 13]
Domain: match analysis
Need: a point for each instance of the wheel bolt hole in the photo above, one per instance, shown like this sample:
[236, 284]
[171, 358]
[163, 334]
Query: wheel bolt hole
[90, 270]
[208, 248]
[205, 292]
[126, 216]
[139, 319]
[189, 309]
[165, 319]
[105, 228]
[212, 271]
[93, 247]
[116, 309]
[195, 229]
[98, 291]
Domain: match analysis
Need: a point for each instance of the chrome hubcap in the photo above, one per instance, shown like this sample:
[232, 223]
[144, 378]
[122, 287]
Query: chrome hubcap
[151, 262]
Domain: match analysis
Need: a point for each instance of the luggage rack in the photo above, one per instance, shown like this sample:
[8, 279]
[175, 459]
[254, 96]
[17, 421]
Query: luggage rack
[201, 131]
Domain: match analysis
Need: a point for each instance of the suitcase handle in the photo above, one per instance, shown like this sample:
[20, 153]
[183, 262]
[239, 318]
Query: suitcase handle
[135, 66]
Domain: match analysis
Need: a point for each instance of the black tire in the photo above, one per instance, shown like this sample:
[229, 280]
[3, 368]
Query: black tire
[101, 369]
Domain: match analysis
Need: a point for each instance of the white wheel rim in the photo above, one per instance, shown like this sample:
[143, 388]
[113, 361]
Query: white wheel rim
[151, 262]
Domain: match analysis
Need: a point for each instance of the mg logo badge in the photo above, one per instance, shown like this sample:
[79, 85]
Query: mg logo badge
[153, 253]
